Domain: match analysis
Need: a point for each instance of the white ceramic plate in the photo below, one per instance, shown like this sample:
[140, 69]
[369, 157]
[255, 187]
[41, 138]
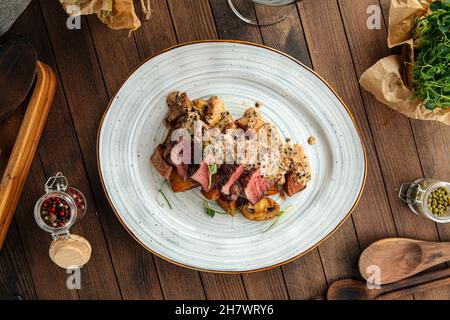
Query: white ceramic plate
[294, 98]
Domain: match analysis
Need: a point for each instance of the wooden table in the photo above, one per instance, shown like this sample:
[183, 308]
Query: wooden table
[329, 35]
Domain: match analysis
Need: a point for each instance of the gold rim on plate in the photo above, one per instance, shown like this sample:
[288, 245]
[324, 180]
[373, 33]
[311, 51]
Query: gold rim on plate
[219, 271]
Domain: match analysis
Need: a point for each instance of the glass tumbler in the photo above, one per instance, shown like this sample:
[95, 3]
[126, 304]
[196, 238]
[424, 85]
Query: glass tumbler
[277, 10]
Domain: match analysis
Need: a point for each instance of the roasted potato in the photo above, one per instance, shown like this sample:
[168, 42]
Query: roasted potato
[201, 107]
[273, 190]
[213, 194]
[264, 210]
[216, 111]
[228, 206]
[179, 104]
[187, 121]
[251, 119]
[179, 185]
[226, 122]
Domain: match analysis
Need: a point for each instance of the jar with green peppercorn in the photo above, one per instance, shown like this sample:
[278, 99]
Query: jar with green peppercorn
[60, 207]
[428, 197]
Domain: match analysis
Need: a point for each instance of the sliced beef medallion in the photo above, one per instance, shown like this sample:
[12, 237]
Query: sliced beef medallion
[228, 175]
[180, 157]
[160, 164]
[202, 175]
[236, 191]
[255, 186]
[183, 171]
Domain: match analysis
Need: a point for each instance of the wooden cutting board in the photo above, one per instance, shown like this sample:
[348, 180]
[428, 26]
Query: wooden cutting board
[19, 146]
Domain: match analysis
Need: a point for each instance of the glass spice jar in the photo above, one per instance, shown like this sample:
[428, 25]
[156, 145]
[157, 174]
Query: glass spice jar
[60, 207]
[428, 197]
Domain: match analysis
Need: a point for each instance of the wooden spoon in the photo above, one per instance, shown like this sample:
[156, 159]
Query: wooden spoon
[349, 289]
[17, 72]
[399, 259]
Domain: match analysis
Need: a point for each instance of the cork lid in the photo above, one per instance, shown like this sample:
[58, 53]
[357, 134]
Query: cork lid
[70, 253]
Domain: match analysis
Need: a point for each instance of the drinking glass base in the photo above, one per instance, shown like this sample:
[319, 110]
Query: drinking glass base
[245, 10]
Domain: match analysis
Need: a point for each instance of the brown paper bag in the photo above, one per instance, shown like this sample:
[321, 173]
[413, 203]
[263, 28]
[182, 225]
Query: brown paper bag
[117, 14]
[390, 79]
[402, 19]
[385, 81]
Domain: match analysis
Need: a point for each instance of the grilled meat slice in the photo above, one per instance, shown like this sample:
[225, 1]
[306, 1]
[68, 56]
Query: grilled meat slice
[228, 175]
[256, 186]
[202, 175]
[160, 164]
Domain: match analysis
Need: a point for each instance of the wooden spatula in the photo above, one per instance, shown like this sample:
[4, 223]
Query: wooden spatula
[398, 258]
[349, 289]
[17, 73]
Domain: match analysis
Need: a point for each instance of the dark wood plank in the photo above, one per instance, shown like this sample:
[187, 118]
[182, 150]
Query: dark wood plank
[192, 20]
[157, 33]
[34, 241]
[305, 278]
[58, 144]
[362, 41]
[266, 285]
[392, 170]
[49, 279]
[15, 275]
[288, 37]
[179, 283]
[150, 40]
[223, 286]
[116, 52]
[230, 27]
[432, 142]
[331, 58]
[133, 265]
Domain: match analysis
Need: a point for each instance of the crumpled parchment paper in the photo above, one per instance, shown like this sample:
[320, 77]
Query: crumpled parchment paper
[117, 14]
[390, 79]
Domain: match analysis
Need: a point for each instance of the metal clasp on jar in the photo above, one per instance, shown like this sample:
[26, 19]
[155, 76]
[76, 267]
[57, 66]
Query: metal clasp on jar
[410, 193]
[56, 183]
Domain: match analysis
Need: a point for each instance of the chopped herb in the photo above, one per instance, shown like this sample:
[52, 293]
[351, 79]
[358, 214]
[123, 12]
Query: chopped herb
[161, 191]
[211, 212]
[212, 171]
[431, 68]
[278, 218]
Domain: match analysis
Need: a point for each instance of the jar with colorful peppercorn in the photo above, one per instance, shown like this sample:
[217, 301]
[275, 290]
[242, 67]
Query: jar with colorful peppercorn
[428, 197]
[60, 207]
